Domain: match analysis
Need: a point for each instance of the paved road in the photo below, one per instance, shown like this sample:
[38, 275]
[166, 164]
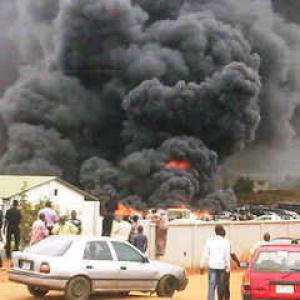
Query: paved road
[196, 290]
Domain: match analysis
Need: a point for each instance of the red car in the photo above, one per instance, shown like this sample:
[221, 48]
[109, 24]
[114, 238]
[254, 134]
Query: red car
[273, 273]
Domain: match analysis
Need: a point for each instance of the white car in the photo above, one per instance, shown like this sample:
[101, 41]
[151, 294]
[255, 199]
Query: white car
[270, 217]
[81, 266]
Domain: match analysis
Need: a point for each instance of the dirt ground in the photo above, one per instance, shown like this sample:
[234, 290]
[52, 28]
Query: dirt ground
[196, 290]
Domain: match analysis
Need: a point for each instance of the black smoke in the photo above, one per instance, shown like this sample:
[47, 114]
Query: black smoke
[289, 9]
[110, 92]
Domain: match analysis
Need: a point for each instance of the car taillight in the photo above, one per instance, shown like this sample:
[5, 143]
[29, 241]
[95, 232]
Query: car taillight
[246, 282]
[45, 268]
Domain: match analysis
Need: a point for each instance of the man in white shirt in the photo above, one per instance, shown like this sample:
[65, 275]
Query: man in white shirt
[216, 255]
[121, 229]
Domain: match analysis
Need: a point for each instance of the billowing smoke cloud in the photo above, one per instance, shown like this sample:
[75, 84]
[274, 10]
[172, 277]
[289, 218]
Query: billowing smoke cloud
[146, 96]
[289, 9]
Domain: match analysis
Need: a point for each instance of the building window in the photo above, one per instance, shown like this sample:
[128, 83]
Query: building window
[55, 192]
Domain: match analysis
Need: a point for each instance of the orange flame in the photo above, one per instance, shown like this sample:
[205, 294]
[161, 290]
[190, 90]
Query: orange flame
[123, 210]
[201, 213]
[178, 164]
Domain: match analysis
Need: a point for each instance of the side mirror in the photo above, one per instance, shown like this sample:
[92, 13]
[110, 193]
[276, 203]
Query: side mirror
[244, 264]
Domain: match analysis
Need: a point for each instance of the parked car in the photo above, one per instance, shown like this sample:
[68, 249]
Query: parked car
[273, 273]
[81, 266]
[269, 217]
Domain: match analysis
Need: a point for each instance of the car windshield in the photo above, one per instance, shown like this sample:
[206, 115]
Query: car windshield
[52, 246]
[277, 261]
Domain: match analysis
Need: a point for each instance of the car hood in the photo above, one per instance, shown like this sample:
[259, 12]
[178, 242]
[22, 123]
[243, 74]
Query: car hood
[168, 268]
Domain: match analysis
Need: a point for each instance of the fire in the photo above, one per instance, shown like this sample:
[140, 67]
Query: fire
[178, 164]
[201, 213]
[123, 210]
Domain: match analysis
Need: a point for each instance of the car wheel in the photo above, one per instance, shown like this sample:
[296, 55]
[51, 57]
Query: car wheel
[166, 286]
[78, 288]
[36, 291]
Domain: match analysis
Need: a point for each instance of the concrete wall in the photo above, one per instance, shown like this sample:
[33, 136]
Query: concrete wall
[185, 241]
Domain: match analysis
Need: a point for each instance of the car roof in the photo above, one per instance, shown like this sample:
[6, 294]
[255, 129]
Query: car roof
[81, 238]
[279, 247]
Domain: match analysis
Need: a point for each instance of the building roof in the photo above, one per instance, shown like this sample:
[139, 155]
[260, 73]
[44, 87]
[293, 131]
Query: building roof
[13, 185]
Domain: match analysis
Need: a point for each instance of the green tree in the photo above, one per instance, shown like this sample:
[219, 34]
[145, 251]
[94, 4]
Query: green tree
[243, 185]
[29, 214]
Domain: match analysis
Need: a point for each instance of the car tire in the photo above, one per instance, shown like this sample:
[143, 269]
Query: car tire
[78, 288]
[166, 286]
[36, 291]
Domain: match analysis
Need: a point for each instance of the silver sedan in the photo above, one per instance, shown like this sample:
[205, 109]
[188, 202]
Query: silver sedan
[81, 266]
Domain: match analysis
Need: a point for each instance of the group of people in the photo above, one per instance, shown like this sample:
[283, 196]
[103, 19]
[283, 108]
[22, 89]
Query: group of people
[216, 256]
[48, 222]
[131, 230]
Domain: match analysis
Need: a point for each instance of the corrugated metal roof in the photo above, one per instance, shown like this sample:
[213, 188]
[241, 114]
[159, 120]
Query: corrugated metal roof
[11, 185]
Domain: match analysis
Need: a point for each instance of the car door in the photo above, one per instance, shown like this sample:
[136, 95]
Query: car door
[100, 265]
[136, 272]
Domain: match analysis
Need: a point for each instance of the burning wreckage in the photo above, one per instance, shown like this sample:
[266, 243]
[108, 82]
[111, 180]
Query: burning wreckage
[147, 96]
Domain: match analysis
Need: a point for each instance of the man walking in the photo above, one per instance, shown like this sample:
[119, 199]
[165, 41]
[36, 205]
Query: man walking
[216, 255]
[13, 218]
[227, 274]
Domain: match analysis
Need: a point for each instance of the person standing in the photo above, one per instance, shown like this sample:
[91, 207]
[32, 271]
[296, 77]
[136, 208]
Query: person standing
[216, 255]
[122, 229]
[108, 206]
[140, 240]
[265, 241]
[75, 221]
[64, 228]
[38, 230]
[227, 274]
[133, 229]
[13, 219]
[50, 215]
[1, 224]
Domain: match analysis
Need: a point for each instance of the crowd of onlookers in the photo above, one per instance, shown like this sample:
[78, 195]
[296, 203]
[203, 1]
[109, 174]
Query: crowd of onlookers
[48, 222]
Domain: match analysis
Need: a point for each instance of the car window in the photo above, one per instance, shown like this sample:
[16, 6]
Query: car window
[53, 246]
[97, 250]
[277, 261]
[126, 253]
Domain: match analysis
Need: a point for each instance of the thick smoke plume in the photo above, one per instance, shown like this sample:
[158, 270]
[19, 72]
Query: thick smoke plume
[124, 93]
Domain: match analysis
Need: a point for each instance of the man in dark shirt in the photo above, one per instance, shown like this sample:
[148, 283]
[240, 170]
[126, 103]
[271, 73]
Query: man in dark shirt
[139, 240]
[12, 228]
[108, 206]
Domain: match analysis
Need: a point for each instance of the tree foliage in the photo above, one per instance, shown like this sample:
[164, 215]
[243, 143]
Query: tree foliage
[243, 185]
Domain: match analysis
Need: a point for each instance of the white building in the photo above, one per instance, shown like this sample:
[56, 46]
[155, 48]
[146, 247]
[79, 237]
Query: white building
[64, 197]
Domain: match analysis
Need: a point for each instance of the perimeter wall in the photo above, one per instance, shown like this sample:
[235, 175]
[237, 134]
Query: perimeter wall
[186, 240]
